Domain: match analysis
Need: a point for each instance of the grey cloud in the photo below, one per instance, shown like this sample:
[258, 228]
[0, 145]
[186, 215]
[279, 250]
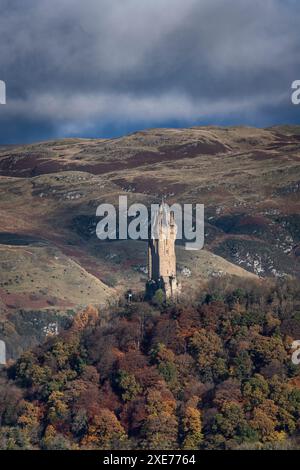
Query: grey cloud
[75, 67]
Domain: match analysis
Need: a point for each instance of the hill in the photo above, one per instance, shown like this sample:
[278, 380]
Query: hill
[248, 179]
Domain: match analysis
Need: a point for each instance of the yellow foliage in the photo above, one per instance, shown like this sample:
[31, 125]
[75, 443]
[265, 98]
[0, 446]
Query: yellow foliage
[192, 428]
[89, 316]
[30, 416]
[104, 430]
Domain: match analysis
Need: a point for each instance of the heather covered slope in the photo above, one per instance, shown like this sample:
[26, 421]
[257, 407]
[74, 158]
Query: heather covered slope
[247, 178]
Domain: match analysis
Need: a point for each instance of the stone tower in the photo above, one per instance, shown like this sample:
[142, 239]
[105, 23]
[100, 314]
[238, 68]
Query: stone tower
[161, 254]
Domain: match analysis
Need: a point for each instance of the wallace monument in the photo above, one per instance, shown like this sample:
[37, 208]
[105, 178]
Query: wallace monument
[162, 255]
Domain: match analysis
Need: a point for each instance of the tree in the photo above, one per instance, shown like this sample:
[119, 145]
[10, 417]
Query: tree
[54, 440]
[128, 385]
[265, 421]
[256, 390]
[230, 421]
[160, 428]
[229, 390]
[104, 432]
[192, 426]
[58, 409]
[89, 316]
[159, 298]
[207, 347]
[164, 358]
[265, 349]
[243, 365]
[29, 420]
[160, 431]
[10, 403]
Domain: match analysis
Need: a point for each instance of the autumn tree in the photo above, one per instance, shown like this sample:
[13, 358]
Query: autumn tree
[104, 432]
[192, 425]
[127, 385]
[160, 429]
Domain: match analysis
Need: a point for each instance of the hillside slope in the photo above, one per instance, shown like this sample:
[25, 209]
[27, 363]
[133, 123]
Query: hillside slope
[248, 179]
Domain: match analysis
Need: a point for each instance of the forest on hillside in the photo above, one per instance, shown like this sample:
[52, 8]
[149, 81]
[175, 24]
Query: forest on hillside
[215, 374]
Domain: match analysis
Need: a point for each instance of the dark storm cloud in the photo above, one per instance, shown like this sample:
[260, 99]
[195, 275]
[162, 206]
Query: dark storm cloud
[93, 67]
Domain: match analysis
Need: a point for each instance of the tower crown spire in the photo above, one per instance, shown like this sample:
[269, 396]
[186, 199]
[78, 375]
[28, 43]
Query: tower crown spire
[164, 226]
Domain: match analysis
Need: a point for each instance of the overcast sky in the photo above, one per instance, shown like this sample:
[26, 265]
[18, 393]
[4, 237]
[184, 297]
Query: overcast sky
[101, 68]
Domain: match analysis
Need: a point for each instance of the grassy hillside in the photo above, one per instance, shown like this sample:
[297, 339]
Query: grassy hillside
[248, 179]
